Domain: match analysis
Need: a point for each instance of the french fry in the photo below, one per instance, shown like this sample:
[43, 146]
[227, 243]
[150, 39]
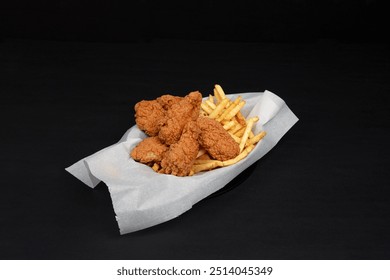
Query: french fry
[217, 96]
[242, 155]
[229, 125]
[211, 99]
[235, 110]
[235, 128]
[246, 132]
[240, 118]
[204, 157]
[201, 152]
[206, 166]
[156, 167]
[206, 108]
[240, 132]
[220, 91]
[215, 113]
[255, 139]
[210, 104]
[203, 161]
[237, 139]
[229, 108]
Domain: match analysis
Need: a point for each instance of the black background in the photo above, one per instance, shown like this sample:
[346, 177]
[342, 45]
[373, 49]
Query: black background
[71, 72]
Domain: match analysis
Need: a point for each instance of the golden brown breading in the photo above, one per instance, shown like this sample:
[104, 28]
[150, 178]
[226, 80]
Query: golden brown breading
[167, 100]
[149, 116]
[149, 150]
[181, 156]
[178, 115]
[216, 140]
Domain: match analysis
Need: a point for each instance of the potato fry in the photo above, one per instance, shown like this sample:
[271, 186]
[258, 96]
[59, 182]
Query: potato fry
[204, 157]
[206, 108]
[215, 113]
[246, 132]
[242, 155]
[235, 110]
[156, 167]
[229, 125]
[217, 96]
[201, 152]
[206, 166]
[220, 91]
[210, 104]
[235, 128]
[211, 99]
[240, 118]
[237, 139]
[240, 132]
[229, 108]
[255, 139]
[203, 161]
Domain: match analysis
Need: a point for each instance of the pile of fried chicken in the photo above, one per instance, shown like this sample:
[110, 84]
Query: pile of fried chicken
[177, 133]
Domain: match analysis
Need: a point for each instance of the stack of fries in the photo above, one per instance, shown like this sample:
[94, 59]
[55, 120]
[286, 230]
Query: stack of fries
[228, 113]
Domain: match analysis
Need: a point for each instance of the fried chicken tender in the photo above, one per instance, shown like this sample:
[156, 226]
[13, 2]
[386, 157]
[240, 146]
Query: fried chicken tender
[149, 116]
[180, 113]
[216, 140]
[167, 100]
[149, 150]
[180, 157]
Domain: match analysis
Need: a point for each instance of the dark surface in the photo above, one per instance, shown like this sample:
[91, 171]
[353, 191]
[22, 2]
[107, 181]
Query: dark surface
[245, 20]
[321, 193]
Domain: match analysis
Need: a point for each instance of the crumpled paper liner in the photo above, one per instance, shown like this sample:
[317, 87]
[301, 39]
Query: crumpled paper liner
[143, 198]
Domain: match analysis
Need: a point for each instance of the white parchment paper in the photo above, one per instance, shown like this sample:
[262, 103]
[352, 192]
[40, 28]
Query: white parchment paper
[143, 198]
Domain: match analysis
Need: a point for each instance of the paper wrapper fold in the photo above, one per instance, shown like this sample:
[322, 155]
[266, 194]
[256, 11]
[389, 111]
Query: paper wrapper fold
[143, 198]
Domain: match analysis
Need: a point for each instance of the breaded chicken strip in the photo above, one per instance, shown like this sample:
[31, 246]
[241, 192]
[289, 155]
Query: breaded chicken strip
[216, 140]
[181, 156]
[186, 110]
[167, 100]
[149, 116]
[149, 150]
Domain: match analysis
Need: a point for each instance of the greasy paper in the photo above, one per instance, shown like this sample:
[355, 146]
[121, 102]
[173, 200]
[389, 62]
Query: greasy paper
[143, 198]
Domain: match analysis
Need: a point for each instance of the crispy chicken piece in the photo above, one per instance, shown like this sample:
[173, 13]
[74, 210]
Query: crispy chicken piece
[149, 116]
[167, 100]
[149, 150]
[186, 110]
[180, 157]
[216, 140]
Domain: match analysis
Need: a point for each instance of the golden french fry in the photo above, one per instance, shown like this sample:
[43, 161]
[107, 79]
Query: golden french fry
[229, 125]
[229, 108]
[211, 99]
[237, 139]
[240, 118]
[242, 155]
[220, 91]
[235, 110]
[240, 132]
[203, 161]
[217, 96]
[251, 135]
[246, 132]
[191, 172]
[204, 157]
[235, 128]
[210, 104]
[156, 167]
[215, 113]
[255, 139]
[201, 152]
[206, 108]
[206, 166]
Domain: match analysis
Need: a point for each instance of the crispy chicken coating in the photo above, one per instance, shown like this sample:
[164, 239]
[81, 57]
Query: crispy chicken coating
[216, 140]
[149, 116]
[149, 150]
[180, 113]
[180, 157]
[167, 100]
